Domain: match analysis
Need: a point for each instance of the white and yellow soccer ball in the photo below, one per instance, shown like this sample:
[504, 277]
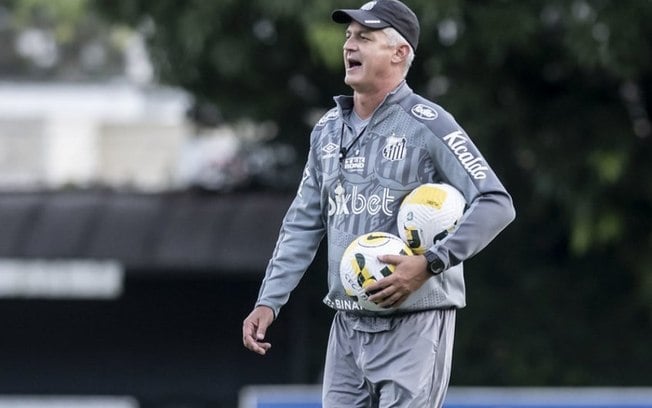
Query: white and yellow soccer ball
[428, 213]
[360, 266]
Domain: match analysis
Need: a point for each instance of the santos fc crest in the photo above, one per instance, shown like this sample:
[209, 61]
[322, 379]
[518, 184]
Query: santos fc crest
[394, 148]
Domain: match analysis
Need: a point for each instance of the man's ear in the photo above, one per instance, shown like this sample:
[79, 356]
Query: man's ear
[401, 53]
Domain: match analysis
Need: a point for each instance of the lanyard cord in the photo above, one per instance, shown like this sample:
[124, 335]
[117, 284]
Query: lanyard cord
[345, 150]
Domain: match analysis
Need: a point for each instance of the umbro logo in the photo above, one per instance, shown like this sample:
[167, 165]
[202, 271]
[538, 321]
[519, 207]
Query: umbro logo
[330, 148]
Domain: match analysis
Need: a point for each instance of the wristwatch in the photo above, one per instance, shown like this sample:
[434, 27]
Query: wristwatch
[435, 265]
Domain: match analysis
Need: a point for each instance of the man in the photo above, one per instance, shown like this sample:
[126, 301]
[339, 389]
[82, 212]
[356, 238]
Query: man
[353, 183]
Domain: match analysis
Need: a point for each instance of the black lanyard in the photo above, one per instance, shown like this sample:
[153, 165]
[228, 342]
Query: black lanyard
[345, 150]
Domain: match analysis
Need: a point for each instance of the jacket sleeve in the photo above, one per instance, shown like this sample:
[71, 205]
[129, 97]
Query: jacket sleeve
[489, 206]
[301, 232]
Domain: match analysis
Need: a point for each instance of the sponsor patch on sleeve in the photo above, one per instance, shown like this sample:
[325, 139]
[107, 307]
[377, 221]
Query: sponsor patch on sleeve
[330, 115]
[424, 112]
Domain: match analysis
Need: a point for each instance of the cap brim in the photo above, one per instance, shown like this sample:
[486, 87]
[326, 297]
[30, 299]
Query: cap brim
[345, 16]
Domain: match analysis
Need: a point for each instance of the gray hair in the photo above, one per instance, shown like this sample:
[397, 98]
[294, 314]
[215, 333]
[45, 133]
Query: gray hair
[394, 38]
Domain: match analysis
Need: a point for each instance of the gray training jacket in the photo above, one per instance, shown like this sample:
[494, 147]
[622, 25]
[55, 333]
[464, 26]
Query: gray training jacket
[407, 142]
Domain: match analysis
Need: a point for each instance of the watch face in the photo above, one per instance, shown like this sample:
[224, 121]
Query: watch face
[436, 266]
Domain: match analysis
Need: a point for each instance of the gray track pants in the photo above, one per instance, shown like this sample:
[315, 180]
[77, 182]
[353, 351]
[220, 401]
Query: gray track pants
[402, 361]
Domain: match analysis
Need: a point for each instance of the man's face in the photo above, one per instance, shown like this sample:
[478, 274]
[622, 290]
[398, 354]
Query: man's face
[367, 57]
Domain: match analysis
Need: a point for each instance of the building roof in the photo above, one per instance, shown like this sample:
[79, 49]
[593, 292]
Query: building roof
[193, 231]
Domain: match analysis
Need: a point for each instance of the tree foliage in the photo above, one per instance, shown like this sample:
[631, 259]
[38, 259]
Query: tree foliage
[45, 40]
[556, 94]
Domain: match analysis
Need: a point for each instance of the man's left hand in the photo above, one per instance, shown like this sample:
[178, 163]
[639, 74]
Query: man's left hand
[410, 274]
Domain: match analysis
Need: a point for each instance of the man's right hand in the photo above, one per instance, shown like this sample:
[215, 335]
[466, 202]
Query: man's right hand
[254, 328]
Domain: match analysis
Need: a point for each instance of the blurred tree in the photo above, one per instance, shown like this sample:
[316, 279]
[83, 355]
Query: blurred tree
[556, 94]
[251, 59]
[64, 40]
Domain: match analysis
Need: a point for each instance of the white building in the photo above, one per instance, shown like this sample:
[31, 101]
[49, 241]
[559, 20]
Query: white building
[54, 135]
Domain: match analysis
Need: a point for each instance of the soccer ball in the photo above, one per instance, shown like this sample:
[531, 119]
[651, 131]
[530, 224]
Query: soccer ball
[360, 266]
[428, 214]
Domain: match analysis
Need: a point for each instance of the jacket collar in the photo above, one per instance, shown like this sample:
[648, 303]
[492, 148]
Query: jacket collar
[345, 102]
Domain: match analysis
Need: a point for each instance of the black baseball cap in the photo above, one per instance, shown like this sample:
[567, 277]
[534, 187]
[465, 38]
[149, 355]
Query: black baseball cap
[383, 13]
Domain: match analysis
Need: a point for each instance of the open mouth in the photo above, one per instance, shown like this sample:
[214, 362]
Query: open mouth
[353, 63]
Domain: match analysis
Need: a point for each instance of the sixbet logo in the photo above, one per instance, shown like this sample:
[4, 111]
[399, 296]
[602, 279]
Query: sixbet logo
[355, 203]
